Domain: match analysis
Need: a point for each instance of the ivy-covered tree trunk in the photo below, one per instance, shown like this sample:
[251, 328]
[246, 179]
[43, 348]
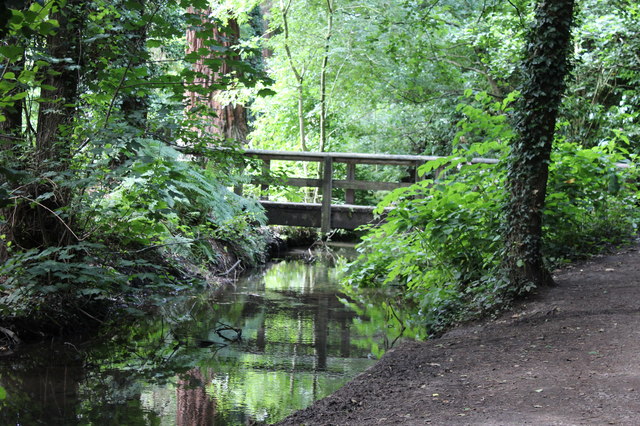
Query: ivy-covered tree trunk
[61, 82]
[545, 68]
[230, 120]
[37, 219]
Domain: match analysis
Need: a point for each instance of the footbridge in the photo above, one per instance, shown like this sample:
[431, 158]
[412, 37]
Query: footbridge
[336, 170]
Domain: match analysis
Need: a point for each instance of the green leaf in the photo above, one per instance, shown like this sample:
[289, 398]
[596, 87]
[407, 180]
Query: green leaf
[11, 52]
[266, 92]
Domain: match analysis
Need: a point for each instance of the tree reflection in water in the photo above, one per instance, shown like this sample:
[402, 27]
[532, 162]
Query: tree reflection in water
[195, 406]
[300, 340]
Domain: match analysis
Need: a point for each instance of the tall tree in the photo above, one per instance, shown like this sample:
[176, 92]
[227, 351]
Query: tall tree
[229, 119]
[60, 85]
[323, 78]
[134, 107]
[545, 67]
[39, 224]
[299, 73]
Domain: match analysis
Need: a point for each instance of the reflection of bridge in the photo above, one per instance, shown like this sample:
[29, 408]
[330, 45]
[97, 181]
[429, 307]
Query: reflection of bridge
[327, 215]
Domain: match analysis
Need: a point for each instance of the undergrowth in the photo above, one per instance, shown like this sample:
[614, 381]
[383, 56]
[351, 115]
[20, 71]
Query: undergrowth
[136, 230]
[442, 244]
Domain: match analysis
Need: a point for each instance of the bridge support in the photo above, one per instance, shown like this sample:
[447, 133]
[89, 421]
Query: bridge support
[327, 188]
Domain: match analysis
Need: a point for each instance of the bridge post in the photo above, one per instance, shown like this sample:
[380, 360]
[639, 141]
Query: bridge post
[266, 168]
[327, 189]
[350, 194]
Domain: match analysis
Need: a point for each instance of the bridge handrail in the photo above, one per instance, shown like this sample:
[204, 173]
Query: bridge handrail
[327, 183]
[350, 157]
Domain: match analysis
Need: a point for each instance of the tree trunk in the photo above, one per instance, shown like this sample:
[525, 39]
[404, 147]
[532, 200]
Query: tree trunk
[58, 106]
[135, 108]
[298, 74]
[35, 224]
[323, 78]
[545, 68]
[10, 135]
[229, 121]
[265, 11]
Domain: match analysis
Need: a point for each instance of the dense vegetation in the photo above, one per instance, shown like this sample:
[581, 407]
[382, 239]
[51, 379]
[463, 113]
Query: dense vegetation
[121, 122]
[110, 193]
[456, 79]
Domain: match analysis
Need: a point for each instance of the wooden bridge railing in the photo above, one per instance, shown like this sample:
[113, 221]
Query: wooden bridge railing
[327, 183]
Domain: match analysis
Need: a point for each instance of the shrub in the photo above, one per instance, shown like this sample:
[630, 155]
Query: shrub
[442, 243]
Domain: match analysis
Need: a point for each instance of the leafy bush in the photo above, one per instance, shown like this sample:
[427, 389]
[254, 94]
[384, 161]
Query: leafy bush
[591, 201]
[442, 241]
[160, 198]
[58, 285]
[135, 226]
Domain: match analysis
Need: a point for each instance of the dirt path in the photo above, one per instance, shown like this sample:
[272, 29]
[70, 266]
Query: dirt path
[568, 356]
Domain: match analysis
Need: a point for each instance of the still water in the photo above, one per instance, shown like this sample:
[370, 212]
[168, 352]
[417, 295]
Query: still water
[270, 345]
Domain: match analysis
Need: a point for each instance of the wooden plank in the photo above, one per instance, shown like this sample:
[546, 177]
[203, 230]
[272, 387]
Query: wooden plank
[392, 160]
[350, 194]
[293, 214]
[297, 182]
[364, 185]
[369, 185]
[356, 158]
[327, 188]
[341, 157]
[266, 168]
[343, 216]
[285, 155]
[304, 182]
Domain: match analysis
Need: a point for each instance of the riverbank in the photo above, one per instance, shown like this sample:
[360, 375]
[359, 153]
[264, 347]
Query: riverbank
[567, 355]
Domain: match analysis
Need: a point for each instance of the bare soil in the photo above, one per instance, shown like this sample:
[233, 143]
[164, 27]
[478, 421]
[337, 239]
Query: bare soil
[569, 355]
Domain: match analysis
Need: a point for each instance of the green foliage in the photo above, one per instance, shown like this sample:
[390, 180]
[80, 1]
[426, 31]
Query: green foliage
[603, 97]
[59, 283]
[442, 243]
[591, 202]
[158, 197]
[395, 71]
[112, 200]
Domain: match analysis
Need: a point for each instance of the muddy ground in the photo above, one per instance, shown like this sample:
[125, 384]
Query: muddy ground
[567, 356]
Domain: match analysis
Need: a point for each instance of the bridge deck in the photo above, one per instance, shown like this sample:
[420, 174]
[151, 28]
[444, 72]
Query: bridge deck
[343, 216]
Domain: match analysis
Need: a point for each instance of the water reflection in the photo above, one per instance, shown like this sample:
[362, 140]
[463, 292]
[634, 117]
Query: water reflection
[272, 344]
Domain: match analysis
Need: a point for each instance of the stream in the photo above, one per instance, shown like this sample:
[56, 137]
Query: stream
[271, 344]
